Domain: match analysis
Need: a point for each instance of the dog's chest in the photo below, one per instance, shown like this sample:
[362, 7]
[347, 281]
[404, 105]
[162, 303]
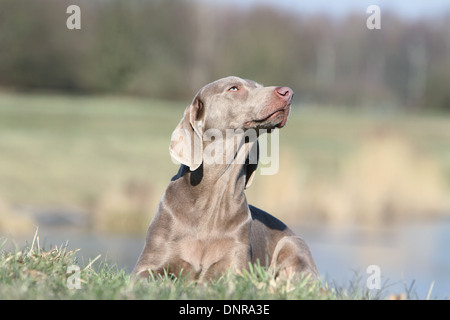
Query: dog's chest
[202, 258]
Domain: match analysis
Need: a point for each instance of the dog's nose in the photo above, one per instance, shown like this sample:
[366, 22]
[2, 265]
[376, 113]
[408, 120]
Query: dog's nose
[284, 92]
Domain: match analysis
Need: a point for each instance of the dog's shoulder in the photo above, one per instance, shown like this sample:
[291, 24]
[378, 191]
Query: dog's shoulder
[261, 217]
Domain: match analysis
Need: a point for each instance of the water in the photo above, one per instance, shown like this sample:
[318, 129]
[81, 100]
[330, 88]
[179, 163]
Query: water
[414, 254]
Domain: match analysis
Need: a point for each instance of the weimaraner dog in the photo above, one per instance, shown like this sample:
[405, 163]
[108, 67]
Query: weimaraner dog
[203, 225]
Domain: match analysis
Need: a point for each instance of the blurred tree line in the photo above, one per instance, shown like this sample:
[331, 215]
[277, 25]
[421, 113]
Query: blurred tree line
[169, 49]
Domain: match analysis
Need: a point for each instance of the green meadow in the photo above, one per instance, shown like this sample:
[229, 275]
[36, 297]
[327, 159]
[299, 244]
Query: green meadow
[36, 273]
[107, 156]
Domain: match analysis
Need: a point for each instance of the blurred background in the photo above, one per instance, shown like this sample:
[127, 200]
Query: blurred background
[86, 117]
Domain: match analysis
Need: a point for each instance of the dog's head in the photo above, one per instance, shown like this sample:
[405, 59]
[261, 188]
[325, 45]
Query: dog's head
[226, 105]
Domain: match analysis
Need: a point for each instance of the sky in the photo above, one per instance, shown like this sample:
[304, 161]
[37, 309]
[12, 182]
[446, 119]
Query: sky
[338, 8]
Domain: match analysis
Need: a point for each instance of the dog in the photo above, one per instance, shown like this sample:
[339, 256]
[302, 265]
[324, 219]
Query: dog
[203, 225]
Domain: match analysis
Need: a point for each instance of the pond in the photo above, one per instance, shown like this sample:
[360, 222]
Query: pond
[416, 255]
[413, 255]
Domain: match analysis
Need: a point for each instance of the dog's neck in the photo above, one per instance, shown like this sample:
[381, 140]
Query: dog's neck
[215, 190]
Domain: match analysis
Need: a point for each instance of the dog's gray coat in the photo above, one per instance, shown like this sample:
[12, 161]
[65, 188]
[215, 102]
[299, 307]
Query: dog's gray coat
[204, 225]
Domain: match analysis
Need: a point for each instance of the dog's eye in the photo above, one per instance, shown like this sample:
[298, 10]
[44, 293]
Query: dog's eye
[233, 88]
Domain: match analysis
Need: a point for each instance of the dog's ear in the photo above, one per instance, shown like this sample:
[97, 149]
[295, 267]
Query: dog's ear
[186, 144]
[251, 164]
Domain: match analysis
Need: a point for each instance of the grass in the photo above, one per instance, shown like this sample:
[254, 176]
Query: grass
[104, 155]
[341, 166]
[108, 157]
[49, 140]
[36, 273]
